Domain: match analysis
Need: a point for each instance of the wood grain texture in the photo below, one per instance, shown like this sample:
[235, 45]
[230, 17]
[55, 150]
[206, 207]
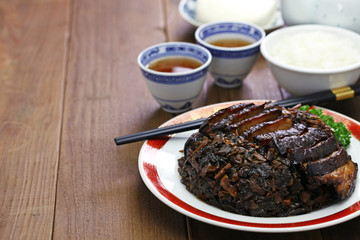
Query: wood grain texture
[32, 65]
[69, 84]
[100, 192]
[202, 231]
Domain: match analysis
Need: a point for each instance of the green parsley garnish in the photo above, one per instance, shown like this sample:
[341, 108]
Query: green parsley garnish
[340, 131]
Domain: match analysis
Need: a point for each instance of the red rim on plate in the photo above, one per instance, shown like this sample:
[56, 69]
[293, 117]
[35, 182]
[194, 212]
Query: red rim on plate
[149, 172]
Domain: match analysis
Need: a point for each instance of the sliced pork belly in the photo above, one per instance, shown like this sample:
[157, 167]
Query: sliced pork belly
[342, 179]
[265, 160]
[327, 164]
[319, 150]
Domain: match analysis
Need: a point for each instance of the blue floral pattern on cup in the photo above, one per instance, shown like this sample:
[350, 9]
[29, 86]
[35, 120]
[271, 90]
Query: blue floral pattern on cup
[171, 49]
[168, 107]
[232, 28]
[174, 79]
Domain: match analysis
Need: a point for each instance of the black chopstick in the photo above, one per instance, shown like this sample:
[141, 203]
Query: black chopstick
[310, 99]
[158, 132]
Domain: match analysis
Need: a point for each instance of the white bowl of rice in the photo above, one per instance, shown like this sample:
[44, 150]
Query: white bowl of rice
[309, 58]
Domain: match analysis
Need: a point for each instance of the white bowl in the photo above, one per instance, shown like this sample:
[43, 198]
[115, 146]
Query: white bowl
[175, 91]
[339, 13]
[303, 80]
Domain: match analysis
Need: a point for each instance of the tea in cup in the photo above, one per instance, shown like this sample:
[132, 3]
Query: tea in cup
[234, 47]
[175, 73]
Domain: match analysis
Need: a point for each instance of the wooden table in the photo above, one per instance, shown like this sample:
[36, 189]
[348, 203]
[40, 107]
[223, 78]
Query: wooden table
[69, 85]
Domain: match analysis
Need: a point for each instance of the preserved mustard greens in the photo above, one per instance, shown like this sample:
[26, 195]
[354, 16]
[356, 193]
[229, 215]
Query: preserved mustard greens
[340, 131]
[266, 161]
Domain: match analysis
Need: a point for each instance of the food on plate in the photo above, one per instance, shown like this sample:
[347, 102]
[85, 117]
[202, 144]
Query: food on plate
[339, 129]
[316, 49]
[260, 12]
[268, 161]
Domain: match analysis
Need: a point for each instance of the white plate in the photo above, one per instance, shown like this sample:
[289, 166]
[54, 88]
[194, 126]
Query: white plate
[187, 9]
[158, 168]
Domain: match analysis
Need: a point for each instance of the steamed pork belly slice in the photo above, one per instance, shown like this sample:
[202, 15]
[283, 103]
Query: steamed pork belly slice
[320, 150]
[343, 179]
[264, 116]
[282, 123]
[228, 112]
[246, 113]
[221, 168]
[309, 138]
[236, 118]
[327, 164]
[266, 137]
[222, 115]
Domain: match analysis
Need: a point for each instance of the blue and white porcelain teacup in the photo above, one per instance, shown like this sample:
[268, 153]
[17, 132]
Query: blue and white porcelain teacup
[231, 63]
[174, 91]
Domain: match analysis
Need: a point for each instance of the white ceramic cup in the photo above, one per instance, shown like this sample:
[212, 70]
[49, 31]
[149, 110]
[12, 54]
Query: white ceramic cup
[175, 91]
[230, 65]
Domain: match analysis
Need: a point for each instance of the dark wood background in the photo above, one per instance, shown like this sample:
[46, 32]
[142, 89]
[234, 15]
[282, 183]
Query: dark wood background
[69, 84]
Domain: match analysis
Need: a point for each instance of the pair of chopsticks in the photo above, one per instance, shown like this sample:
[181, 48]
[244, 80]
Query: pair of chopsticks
[331, 95]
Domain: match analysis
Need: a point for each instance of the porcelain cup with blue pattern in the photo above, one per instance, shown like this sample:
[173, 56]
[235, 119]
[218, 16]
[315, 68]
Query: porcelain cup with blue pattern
[175, 91]
[230, 65]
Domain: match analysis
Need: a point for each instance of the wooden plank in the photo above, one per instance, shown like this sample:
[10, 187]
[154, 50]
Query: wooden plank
[32, 54]
[100, 192]
[202, 231]
[347, 230]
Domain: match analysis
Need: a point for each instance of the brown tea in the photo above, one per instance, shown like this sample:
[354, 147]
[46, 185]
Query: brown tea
[174, 64]
[230, 42]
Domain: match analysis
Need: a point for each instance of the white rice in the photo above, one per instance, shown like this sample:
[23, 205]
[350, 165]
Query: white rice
[316, 50]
